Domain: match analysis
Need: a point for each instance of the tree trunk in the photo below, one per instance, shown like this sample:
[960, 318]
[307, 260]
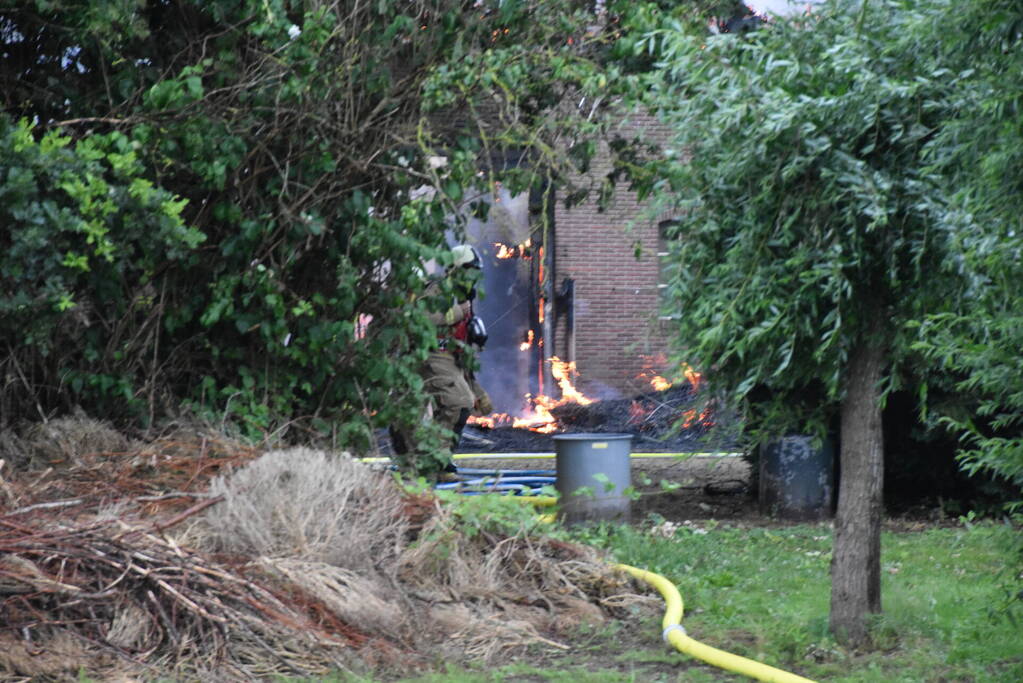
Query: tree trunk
[856, 559]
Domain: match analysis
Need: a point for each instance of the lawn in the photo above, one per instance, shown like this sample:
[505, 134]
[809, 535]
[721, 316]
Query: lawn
[763, 593]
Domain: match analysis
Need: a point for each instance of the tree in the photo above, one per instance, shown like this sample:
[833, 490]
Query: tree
[978, 154]
[319, 154]
[84, 219]
[294, 142]
[805, 239]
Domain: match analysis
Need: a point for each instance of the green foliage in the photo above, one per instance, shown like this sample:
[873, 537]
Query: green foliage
[87, 238]
[977, 153]
[485, 513]
[284, 152]
[805, 211]
[983, 355]
[300, 141]
[817, 229]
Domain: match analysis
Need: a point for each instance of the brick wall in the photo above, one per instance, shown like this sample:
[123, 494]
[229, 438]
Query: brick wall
[617, 326]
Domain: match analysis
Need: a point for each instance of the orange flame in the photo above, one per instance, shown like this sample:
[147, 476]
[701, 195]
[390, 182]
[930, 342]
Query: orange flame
[659, 383]
[692, 376]
[653, 366]
[524, 346]
[489, 421]
[539, 417]
[519, 251]
[691, 418]
[562, 371]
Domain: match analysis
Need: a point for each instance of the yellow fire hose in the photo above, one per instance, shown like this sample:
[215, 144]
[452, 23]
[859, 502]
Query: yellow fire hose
[675, 634]
[551, 456]
[673, 631]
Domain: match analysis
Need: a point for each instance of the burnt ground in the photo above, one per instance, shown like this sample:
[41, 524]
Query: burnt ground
[658, 421]
[680, 485]
[698, 486]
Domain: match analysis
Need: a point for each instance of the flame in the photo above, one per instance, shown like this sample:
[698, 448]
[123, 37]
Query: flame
[489, 421]
[562, 371]
[659, 383]
[691, 418]
[653, 366]
[504, 251]
[519, 251]
[538, 418]
[692, 376]
[524, 346]
[541, 419]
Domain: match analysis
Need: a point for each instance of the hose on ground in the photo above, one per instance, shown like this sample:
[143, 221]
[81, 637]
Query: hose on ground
[675, 634]
[526, 487]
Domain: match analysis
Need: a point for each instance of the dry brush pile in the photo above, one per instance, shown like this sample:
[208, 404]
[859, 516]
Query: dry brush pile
[193, 556]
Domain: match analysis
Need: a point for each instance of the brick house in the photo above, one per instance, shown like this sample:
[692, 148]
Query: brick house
[583, 296]
[610, 323]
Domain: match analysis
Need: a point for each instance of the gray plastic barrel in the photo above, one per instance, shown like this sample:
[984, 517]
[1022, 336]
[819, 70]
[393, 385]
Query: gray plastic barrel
[797, 478]
[593, 476]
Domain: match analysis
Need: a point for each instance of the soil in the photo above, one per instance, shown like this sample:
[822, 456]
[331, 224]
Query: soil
[680, 487]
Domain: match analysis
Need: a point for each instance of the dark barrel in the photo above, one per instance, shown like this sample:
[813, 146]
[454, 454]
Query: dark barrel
[797, 478]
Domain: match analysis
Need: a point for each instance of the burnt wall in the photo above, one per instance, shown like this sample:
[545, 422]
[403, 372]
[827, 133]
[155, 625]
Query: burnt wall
[616, 297]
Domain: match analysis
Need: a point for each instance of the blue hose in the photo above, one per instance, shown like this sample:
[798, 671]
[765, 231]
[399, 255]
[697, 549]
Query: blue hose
[480, 472]
[523, 483]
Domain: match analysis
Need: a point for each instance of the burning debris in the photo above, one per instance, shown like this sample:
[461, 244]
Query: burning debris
[523, 250]
[518, 375]
[663, 421]
[538, 417]
[666, 418]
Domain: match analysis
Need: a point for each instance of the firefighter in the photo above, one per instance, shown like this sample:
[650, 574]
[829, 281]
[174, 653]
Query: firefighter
[449, 370]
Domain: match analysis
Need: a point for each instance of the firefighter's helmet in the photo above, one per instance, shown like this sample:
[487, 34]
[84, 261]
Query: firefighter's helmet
[466, 256]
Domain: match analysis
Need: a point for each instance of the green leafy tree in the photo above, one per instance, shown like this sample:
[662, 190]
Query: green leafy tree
[806, 236]
[978, 154]
[289, 135]
[292, 141]
[318, 154]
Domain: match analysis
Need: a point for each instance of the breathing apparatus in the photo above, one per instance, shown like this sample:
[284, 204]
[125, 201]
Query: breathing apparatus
[467, 257]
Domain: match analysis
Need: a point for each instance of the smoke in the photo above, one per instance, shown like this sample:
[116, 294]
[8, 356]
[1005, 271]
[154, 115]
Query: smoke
[506, 371]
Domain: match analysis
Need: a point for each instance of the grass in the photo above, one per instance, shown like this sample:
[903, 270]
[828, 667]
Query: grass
[764, 594]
